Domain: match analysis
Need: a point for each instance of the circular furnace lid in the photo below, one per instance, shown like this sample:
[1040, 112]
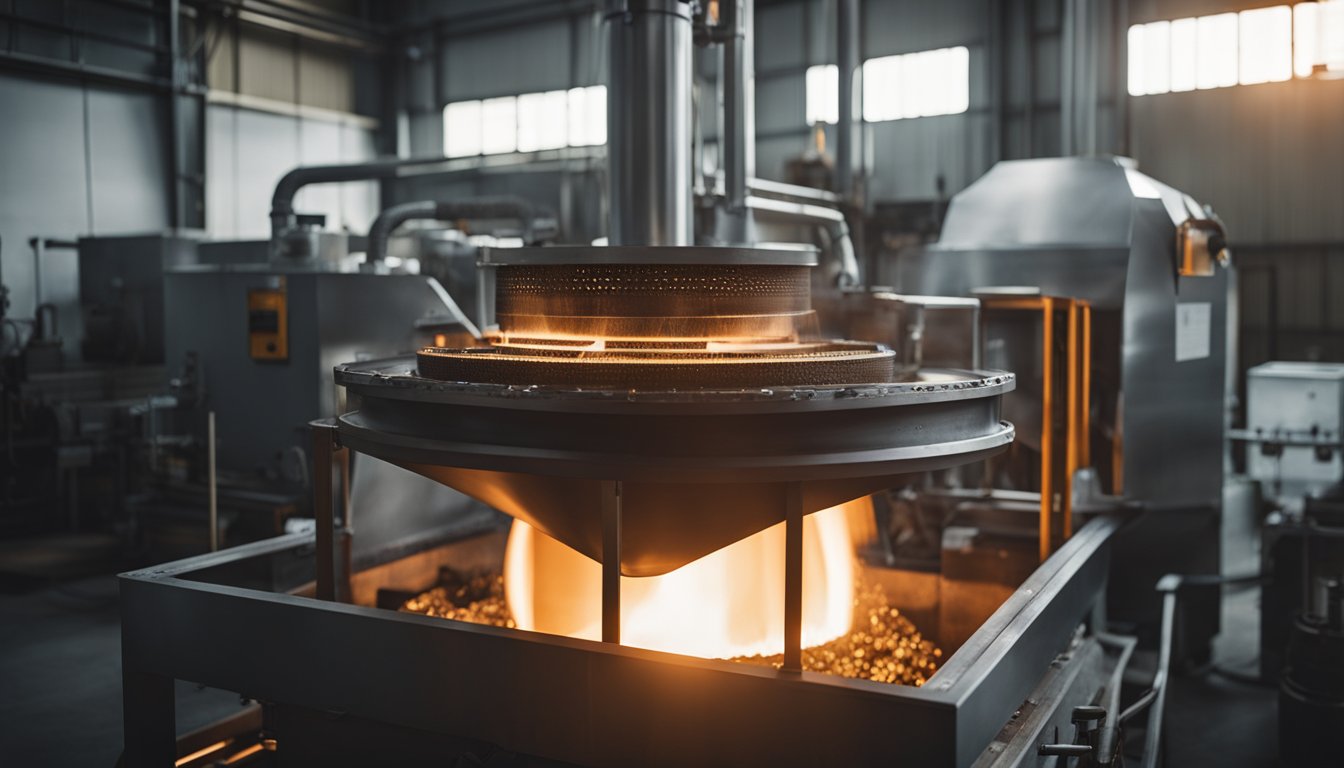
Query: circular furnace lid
[701, 468]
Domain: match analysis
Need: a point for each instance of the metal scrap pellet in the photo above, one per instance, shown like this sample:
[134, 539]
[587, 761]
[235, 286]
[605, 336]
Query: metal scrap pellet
[883, 645]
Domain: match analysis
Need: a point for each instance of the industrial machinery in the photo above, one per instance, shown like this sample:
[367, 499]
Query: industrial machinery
[1088, 260]
[1293, 445]
[690, 454]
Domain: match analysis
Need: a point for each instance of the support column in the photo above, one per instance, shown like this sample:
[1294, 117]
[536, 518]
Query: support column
[847, 49]
[149, 722]
[324, 509]
[793, 577]
[649, 122]
[611, 561]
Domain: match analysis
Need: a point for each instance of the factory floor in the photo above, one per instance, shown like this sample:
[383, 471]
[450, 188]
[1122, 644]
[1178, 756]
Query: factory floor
[60, 686]
[60, 677]
[1218, 718]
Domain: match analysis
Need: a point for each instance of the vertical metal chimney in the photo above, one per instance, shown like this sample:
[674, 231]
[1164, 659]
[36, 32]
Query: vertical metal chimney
[649, 122]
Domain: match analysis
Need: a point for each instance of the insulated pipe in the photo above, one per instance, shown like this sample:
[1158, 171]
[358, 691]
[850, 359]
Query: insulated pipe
[489, 208]
[282, 200]
[649, 122]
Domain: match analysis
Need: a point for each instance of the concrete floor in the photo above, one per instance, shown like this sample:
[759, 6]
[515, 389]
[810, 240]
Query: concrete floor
[1213, 720]
[60, 678]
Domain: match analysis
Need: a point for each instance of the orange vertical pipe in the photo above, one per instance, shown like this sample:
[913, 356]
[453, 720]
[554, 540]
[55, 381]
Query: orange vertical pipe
[1086, 416]
[1047, 406]
[1071, 425]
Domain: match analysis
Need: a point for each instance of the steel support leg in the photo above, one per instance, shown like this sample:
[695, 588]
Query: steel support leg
[793, 578]
[344, 528]
[148, 719]
[324, 510]
[611, 561]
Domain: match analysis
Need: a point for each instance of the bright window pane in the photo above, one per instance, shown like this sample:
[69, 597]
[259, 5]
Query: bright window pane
[1184, 33]
[914, 84]
[597, 114]
[1137, 63]
[543, 121]
[823, 94]
[462, 129]
[1266, 45]
[1304, 39]
[1216, 48]
[919, 84]
[881, 89]
[578, 112]
[957, 86]
[499, 125]
[588, 116]
[1330, 36]
[1157, 51]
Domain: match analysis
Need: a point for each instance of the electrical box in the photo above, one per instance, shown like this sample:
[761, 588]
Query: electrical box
[1295, 419]
[268, 323]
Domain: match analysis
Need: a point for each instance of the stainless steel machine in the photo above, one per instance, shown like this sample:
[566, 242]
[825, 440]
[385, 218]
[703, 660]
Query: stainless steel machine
[1089, 258]
[266, 339]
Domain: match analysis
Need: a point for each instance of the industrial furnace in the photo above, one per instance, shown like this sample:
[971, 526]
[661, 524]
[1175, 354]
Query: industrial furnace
[689, 454]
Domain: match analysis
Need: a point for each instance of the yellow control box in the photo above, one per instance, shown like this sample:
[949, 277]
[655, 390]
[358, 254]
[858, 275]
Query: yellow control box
[267, 324]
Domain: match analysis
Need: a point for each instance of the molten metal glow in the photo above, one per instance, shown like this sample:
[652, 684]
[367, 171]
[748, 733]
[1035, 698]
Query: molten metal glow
[727, 604]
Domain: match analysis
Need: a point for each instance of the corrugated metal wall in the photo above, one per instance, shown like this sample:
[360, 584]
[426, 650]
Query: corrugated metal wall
[923, 158]
[74, 160]
[1270, 160]
[83, 154]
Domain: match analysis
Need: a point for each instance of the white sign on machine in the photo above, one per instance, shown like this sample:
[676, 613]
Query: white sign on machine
[1194, 329]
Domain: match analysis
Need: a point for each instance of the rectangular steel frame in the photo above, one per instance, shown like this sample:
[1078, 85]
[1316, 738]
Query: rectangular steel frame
[231, 620]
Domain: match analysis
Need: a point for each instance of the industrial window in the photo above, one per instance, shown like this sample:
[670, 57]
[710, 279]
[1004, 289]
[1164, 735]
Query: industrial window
[462, 129]
[588, 116]
[920, 84]
[527, 123]
[499, 125]
[1318, 38]
[1262, 45]
[823, 94]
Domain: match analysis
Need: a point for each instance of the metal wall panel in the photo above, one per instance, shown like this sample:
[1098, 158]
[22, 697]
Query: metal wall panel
[51, 152]
[909, 156]
[325, 78]
[426, 129]
[128, 162]
[267, 147]
[418, 88]
[266, 65]
[779, 37]
[359, 201]
[780, 105]
[522, 60]
[904, 26]
[819, 32]
[43, 186]
[1267, 157]
[588, 51]
[773, 153]
[248, 153]
[319, 144]
[221, 171]
[221, 71]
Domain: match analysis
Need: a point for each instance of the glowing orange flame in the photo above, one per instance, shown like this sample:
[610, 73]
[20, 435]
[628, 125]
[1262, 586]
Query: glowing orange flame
[727, 604]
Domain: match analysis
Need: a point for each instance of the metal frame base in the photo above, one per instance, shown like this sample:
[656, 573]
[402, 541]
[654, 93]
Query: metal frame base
[231, 620]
